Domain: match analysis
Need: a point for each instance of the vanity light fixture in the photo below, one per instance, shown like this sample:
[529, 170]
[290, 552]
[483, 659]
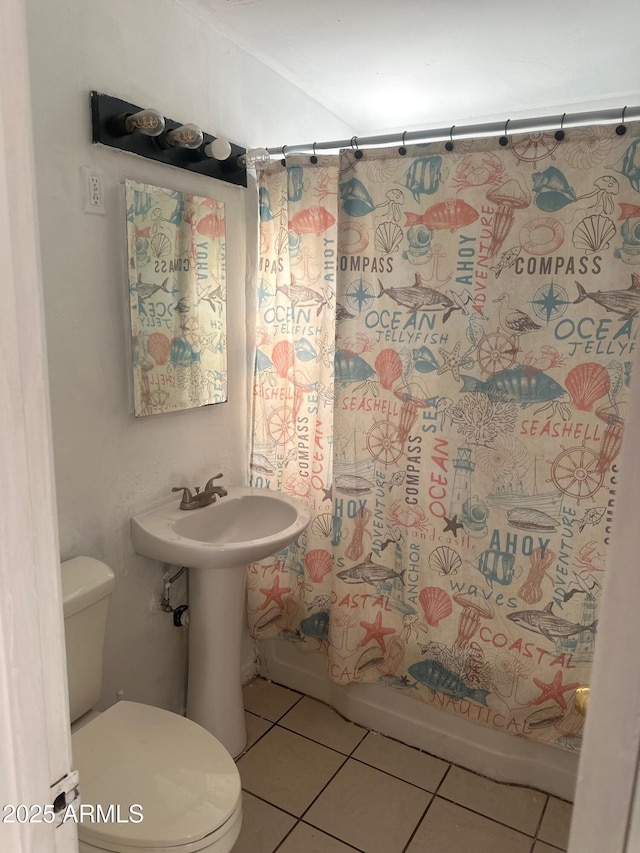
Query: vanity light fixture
[185, 136]
[255, 158]
[148, 133]
[149, 122]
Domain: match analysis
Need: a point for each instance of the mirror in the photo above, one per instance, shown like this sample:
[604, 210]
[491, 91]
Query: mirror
[177, 287]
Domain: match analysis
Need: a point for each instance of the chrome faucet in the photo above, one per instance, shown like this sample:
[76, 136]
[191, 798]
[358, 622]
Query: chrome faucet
[200, 499]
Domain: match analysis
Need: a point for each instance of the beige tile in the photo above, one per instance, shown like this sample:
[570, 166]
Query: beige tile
[287, 770]
[368, 809]
[308, 839]
[556, 823]
[518, 807]
[268, 700]
[538, 847]
[263, 826]
[400, 760]
[320, 722]
[448, 828]
[256, 727]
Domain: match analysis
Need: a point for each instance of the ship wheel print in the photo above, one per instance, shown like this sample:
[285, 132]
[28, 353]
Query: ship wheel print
[496, 353]
[575, 472]
[281, 426]
[534, 147]
[383, 442]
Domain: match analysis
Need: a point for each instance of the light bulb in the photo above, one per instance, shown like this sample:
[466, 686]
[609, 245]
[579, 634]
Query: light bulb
[219, 149]
[150, 122]
[186, 136]
[255, 158]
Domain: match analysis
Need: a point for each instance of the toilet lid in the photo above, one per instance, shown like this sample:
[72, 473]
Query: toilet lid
[183, 778]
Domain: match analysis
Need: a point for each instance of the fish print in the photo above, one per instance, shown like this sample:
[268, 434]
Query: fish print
[369, 572]
[305, 297]
[145, 290]
[446, 215]
[546, 623]
[419, 297]
[439, 679]
[423, 176]
[623, 302]
[591, 516]
[507, 259]
[525, 385]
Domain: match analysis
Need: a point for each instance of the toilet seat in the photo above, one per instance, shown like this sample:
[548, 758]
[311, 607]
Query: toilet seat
[184, 779]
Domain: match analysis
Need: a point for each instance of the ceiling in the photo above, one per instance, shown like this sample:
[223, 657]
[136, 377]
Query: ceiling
[385, 66]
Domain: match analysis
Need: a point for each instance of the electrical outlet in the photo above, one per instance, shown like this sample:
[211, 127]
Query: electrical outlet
[93, 197]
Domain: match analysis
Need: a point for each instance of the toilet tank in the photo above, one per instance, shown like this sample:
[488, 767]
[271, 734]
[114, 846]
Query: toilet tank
[87, 585]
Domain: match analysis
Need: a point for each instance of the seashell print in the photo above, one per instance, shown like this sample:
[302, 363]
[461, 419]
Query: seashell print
[424, 360]
[264, 204]
[318, 563]
[355, 198]
[312, 220]
[260, 463]
[594, 234]
[160, 245]
[369, 658]
[268, 618]
[159, 347]
[388, 365]
[388, 237]
[294, 183]
[378, 169]
[588, 146]
[587, 383]
[182, 354]
[527, 518]
[322, 525]
[305, 351]
[283, 358]
[543, 718]
[436, 604]
[445, 560]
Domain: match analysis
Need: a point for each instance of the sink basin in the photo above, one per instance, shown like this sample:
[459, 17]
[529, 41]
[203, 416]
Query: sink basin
[245, 526]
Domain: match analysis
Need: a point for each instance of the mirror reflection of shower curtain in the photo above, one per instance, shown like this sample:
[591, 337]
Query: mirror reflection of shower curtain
[459, 451]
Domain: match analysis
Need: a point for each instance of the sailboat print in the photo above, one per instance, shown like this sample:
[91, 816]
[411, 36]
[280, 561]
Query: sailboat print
[514, 495]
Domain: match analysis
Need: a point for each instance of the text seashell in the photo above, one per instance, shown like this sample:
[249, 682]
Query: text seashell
[436, 604]
[160, 246]
[587, 383]
[388, 237]
[388, 365]
[318, 563]
[594, 233]
[159, 347]
[445, 560]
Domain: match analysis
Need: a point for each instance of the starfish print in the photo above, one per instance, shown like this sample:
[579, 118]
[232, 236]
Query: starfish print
[376, 632]
[554, 690]
[274, 593]
[453, 361]
[452, 526]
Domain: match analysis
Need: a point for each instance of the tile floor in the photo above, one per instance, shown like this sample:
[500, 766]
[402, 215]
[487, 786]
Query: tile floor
[315, 783]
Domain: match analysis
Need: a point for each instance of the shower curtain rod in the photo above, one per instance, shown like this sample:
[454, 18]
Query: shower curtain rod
[496, 128]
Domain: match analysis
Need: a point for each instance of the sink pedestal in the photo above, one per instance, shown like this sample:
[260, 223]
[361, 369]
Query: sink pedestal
[214, 692]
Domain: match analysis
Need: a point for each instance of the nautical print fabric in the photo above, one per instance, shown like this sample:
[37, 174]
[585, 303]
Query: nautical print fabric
[177, 287]
[485, 318]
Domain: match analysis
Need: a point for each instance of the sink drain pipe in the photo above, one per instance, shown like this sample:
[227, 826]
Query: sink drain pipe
[180, 613]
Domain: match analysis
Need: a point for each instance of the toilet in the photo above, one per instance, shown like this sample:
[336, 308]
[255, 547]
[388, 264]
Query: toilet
[179, 777]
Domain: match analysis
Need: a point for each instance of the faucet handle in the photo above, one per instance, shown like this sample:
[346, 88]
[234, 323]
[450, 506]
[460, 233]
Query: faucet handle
[187, 497]
[210, 481]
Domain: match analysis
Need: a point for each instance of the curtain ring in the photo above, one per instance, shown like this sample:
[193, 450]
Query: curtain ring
[283, 162]
[313, 157]
[621, 129]
[559, 134]
[449, 145]
[403, 150]
[504, 140]
[354, 145]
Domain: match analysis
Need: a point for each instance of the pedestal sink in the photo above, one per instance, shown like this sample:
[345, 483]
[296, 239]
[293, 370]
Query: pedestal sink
[217, 542]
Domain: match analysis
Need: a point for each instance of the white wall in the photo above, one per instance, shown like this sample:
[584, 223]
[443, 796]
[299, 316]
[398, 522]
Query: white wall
[110, 465]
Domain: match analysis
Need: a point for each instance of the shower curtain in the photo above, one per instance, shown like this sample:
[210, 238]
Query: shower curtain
[459, 447]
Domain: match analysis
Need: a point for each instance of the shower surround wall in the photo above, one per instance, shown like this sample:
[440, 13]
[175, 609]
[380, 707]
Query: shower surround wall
[165, 54]
[485, 322]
